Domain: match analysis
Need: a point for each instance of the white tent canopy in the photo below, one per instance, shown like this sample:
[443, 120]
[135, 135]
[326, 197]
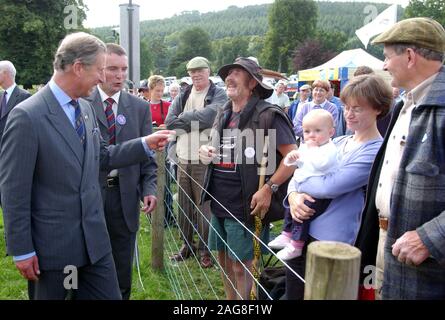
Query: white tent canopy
[352, 59]
[347, 60]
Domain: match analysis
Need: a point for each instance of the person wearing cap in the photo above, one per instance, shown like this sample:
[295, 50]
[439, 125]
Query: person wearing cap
[305, 96]
[402, 230]
[190, 113]
[232, 179]
[278, 97]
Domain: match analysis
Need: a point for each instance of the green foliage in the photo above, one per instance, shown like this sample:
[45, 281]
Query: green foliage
[30, 33]
[228, 49]
[192, 42]
[290, 23]
[12, 285]
[332, 40]
[345, 17]
[147, 60]
[426, 8]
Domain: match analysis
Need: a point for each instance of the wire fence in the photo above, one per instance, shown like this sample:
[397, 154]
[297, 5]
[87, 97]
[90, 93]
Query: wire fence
[188, 279]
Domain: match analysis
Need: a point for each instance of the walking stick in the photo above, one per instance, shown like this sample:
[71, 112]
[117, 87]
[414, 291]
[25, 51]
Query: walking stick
[258, 225]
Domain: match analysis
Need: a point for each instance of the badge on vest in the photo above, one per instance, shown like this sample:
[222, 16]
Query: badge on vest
[249, 152]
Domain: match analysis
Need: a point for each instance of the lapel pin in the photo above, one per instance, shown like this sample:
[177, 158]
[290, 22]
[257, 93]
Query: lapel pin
[121, 119]
[424, 137]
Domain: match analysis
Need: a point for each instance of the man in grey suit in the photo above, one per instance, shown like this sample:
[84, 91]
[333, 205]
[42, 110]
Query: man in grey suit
[121, 117]
[49, 167]
[12, 95]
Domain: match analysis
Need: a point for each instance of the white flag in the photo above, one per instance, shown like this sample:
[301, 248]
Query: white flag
[381, 23]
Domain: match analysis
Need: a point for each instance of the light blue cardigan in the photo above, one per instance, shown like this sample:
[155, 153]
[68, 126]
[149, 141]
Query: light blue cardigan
[341, 220]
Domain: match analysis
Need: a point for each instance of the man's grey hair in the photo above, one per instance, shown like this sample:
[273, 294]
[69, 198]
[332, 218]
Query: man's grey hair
[6, 65]
[79, 46]
[428, 54]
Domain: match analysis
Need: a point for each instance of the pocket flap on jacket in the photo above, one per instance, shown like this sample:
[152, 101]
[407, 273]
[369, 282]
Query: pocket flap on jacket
[423, 168]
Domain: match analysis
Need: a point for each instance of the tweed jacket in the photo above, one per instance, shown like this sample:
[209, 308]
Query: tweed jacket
[417, 202]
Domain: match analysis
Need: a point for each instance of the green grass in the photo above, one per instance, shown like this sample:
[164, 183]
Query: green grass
[184, 280]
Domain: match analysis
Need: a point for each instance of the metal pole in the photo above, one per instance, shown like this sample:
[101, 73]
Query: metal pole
[130, 39]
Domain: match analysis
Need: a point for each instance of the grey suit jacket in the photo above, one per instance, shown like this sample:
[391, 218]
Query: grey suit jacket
[139, 179]
[17, 96]
[49, 183]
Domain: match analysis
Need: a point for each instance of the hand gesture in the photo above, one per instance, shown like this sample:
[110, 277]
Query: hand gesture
[291, 158]
[149, 204]
[207, 154]
[261, 202]
[158, 140]
[298, 210]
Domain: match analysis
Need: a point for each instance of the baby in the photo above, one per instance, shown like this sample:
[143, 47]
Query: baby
[316, 157]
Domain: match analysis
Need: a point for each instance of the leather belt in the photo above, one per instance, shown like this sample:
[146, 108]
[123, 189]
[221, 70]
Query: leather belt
[112, 182]
[383, 223]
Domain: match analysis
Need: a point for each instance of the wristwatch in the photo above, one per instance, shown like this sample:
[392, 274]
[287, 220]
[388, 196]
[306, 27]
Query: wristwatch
[273, 186]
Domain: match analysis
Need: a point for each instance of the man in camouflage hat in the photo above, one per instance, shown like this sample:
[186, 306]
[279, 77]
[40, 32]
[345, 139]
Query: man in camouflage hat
[232, 178]
[404, 216]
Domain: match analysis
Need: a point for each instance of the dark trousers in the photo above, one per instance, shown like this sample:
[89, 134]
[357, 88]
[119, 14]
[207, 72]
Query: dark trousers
[300, 231]
[170, 173]
[122, 240]
[94, 282]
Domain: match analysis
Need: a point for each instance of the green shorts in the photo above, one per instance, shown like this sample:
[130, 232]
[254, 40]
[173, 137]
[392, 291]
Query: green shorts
[239, 240]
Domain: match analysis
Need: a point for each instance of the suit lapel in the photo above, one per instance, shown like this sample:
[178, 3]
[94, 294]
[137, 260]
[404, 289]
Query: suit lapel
[98, 106]
[90, 126]
[122, 112]
[62, 124]
[12, 101]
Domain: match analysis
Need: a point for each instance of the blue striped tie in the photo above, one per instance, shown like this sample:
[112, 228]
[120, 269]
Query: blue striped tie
[79, 125]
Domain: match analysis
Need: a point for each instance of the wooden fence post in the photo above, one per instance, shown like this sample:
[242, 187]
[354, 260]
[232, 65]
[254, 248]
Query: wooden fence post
[332, 271]
[157, 221]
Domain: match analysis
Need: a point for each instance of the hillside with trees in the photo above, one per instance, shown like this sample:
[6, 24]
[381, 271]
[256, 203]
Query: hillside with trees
[252, 31]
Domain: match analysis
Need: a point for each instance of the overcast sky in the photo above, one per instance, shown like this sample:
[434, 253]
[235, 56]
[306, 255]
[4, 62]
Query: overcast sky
[106, 12]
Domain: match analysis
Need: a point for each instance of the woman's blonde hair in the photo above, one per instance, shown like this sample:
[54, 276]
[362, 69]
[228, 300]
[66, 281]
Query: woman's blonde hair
[155, 80]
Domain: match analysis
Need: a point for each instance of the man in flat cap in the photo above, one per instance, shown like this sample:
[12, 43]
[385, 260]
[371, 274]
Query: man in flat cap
[233, 176]
[404, 216]
[190, 113]
[304, 96]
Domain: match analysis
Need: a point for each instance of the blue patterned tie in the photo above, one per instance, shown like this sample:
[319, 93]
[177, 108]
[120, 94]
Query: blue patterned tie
[111, 120]
[3, 104]
[78, 123]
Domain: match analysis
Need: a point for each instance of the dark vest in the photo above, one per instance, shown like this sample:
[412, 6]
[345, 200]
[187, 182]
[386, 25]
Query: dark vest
[257, 114]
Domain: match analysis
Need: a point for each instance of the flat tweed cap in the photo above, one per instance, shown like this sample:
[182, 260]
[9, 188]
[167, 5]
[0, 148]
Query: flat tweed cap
[422, 32]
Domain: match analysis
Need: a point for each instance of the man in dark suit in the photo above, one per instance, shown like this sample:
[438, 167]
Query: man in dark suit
[12, 95]
[50, 158]
[121, 117]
